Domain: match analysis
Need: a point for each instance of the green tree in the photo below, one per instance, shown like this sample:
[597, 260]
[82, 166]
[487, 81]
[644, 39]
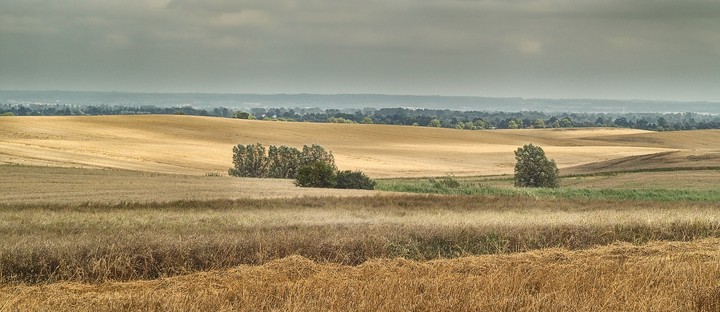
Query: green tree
[354, 180]
[243, 115]
[316, 153]
[566, 122]
[249, 161]
[317, 174]
[283, 162]
[435, 123]
[538, 124]
[534, 169]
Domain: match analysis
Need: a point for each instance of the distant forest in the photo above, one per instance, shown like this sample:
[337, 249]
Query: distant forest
[471, 120]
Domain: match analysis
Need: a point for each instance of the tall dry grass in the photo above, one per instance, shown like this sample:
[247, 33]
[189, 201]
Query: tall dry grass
[99, 243]
[659, 276]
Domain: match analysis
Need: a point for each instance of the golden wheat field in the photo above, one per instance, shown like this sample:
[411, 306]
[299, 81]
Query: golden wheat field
[119, 213]
[198, 145]
[662, 276]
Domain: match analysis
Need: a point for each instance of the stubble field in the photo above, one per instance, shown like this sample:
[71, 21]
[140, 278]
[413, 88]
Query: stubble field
[129, 213]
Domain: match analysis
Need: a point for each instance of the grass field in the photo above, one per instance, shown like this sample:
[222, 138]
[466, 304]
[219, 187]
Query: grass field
[135, 213]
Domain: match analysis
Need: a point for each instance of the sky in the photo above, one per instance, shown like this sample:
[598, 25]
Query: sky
[603, 49]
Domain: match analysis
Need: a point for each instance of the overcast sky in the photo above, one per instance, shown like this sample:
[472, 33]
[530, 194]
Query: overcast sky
[616, 49]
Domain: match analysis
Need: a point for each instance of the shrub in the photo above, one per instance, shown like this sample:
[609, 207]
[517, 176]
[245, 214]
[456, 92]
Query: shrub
[354, 180]
[317, 174]
[534, 169]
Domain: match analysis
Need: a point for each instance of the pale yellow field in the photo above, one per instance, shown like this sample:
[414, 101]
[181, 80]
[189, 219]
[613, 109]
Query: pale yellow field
[26, 185]
[197, 145]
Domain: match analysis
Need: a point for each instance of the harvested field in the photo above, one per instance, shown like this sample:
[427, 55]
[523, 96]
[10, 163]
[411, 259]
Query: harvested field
[197, 145]
[660, 276]
[671, 161]
[28, 185]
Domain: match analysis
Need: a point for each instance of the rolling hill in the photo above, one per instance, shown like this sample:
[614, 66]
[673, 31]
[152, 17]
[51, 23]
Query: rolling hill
[198, 145]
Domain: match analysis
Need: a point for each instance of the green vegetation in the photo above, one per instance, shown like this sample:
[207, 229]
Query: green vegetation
[500, 187]
[282, 162]
[311, 167]
[243, 115]
[468, 120]
[317, 174]
[534, 169]
[354, 180]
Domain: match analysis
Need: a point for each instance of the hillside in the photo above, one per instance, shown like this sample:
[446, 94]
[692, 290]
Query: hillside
[197, 145]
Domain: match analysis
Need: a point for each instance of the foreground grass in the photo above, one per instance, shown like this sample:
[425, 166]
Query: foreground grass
[99, 242]
[660, 276]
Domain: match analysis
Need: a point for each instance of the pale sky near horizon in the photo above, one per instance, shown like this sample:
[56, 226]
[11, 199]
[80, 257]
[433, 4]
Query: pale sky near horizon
[607, 49]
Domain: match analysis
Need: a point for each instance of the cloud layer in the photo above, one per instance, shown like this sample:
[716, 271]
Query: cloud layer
[656, 49]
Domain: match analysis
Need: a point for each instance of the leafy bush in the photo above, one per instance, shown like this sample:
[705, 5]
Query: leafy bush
[317, 174]
[534, 169]
[354, 180]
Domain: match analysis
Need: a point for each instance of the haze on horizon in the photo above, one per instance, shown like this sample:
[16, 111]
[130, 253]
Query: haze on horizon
[614, 49]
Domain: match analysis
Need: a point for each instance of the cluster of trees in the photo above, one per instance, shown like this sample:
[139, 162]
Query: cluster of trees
[470, 120]
[282, 162]
[312, 166]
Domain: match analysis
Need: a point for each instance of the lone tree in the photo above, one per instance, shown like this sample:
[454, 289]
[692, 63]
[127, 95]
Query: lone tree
[534, 169]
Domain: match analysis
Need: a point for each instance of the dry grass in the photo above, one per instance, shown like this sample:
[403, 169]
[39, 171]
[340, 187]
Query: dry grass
[672, 180]
[660, 276]
[48, 185]
[196, 145]
[97, 243]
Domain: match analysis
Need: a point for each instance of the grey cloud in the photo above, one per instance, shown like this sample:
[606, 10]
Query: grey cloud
[558, 48]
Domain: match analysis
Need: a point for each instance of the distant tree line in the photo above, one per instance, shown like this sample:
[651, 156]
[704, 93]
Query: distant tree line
[469, 120]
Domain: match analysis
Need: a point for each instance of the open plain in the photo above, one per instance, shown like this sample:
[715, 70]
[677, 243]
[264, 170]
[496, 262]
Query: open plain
[137, 213]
